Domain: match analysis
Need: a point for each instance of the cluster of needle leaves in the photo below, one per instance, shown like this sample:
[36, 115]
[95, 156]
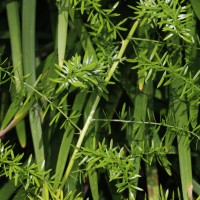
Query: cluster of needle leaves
[30, 176]
[84, 75]
[170, 16]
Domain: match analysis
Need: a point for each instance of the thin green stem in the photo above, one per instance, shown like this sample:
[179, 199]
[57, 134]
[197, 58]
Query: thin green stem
[96, 102]
[122, 50]
[80, 140]
[148, 123]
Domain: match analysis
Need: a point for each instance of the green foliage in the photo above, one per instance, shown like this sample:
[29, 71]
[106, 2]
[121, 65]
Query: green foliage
[120, 163]
[31, 177]
[120, 167]
[27, 176]
[170, 16]
[86, 75]
[141, 57]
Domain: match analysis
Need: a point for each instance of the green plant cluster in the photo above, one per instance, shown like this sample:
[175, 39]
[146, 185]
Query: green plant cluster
[104, 95]
[29, 176]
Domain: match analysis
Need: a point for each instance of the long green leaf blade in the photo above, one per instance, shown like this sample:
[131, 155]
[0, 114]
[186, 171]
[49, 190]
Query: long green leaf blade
[62, 30]
[29, 64]
[15, 37]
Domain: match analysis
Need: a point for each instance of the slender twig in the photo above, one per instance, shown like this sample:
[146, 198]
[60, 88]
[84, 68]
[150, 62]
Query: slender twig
[147, 123]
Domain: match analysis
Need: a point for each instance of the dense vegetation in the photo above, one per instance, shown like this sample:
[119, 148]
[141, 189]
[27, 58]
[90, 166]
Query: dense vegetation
[99, 99]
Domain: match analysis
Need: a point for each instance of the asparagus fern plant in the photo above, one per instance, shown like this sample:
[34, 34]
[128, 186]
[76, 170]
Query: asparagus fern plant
[104, 95]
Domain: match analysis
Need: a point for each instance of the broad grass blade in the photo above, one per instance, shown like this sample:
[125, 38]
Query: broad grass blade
[62, 30]
[179, 108]
[68, 136]
[29, 64]
[15, 37]
[90, 142]
[196, 7]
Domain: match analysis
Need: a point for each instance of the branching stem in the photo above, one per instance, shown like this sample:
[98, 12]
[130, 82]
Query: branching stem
[96, 102]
